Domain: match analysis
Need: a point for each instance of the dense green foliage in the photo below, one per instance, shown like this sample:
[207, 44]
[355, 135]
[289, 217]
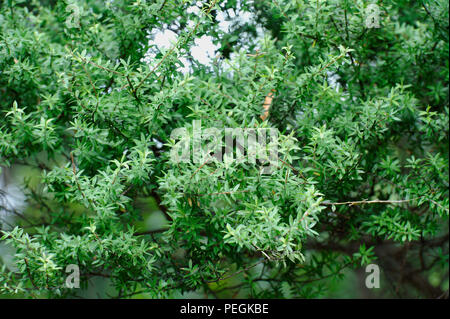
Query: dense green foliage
[363, 161]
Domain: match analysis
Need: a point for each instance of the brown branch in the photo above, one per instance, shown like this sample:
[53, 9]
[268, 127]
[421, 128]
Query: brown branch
[163, 208]
[297, 172]
[376, 201]
[97, 65]
[29, 273]
[76, 179]
[90, 80]
[238, 272]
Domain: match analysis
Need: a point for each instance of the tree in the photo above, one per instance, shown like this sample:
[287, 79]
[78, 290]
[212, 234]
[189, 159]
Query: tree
[360, 176]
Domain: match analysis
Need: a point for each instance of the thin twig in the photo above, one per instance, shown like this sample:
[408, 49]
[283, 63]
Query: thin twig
[29, 273]
[238, 272]
[375, 201]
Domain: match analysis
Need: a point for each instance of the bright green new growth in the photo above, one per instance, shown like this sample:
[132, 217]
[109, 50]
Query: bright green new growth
[362, 174]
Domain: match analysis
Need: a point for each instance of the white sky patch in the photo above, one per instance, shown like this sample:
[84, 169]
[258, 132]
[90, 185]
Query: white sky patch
[194, 9]
[203, 50]
[224, 24]
[333, 80]
[245, 16]
[11, 198]
[165, 39]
